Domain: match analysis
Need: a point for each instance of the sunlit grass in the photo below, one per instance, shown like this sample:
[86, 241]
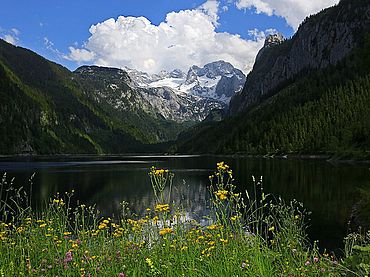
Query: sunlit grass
[247, 235]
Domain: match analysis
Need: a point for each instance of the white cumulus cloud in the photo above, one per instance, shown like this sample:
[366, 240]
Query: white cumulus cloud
[185, 38]
[11, 39]
[294, 11]
[15, 31]
[79, 55]
[11, 36]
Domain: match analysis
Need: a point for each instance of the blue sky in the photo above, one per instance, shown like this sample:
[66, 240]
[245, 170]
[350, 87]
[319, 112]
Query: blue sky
[51, 28]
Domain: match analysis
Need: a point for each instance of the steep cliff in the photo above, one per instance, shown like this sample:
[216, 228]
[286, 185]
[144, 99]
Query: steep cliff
[322, 40]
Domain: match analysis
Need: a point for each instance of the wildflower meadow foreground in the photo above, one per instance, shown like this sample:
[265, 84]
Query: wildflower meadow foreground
[248, 234]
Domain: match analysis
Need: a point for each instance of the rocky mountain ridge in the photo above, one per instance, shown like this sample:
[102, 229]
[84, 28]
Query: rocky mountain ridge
[270, 41]
[321, 40]
[115, 88]
[217, 80]
[174, 95]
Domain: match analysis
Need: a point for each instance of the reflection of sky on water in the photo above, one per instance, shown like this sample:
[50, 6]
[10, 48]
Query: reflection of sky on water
[9, 166]
[328, 190]
[191, 196]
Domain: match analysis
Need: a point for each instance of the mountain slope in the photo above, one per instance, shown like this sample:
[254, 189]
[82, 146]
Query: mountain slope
[44, 110]
[322, 40]
[325, 110]
[113, 91]
[116, 91]
[163, 103]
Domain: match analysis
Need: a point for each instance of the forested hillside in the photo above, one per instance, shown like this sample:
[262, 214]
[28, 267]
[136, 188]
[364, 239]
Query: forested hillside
[325, 111]
[44, 110]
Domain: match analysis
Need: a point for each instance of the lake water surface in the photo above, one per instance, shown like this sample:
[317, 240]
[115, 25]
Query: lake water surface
[329, 191]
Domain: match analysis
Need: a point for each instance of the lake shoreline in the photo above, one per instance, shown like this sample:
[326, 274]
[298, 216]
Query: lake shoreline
[323, 157]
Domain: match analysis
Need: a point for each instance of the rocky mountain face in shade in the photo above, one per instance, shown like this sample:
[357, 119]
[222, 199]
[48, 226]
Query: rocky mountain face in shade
[321, 40]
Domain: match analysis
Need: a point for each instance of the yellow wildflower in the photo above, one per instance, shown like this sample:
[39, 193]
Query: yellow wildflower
[20, 229]
[222, 166]
[117, 234]
[149, 263]
[165, 231]
[155, 219]
[162, 208]
[224, 241]
[59, 202]
[102, 226]
[158, 172]
[212, 227]
[2, 236]
[221, 194]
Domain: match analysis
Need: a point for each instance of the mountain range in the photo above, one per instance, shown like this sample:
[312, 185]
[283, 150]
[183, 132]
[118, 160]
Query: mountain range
[217, 80]
[174, 96]
[306, 94]
[47, 109]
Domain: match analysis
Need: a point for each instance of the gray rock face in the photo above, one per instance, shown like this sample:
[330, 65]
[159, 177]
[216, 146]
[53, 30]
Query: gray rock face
[270, 41]
[187, 96]
[170, 95]
[114, 87]
[218, 80]
[165, 102]
[321, 40]
[177, 73]
[273, 39]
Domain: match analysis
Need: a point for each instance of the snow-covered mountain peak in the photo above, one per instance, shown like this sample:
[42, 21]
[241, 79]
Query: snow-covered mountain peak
[214, 69]
[217, 80]
[177, 73]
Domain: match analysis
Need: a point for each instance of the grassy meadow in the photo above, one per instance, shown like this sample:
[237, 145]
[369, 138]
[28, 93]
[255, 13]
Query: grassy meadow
[247, 234]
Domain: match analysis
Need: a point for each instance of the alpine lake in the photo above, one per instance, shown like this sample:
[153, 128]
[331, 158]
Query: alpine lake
[332, 192]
